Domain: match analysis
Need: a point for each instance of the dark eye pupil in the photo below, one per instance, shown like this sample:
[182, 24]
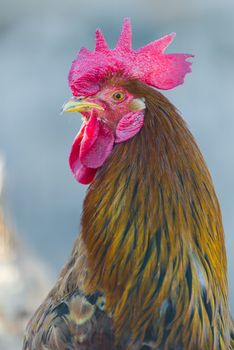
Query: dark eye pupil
[118, 96]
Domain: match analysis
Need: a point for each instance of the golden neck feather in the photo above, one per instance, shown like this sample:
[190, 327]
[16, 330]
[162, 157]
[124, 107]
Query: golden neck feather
[151, 221]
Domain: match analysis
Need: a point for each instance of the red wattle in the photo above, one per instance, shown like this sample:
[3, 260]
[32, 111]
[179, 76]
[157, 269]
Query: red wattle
[81, 173]
[90, 149]
[93, 153]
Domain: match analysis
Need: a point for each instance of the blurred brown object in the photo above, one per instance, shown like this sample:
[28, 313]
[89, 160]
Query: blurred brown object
[24, 281]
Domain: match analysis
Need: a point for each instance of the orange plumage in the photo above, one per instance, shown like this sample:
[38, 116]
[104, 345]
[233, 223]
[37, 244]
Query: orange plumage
[148, 270]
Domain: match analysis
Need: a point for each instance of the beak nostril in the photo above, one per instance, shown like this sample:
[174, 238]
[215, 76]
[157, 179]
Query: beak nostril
[77, 98]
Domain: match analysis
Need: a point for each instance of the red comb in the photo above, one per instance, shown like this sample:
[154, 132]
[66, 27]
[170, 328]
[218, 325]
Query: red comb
[148, 64]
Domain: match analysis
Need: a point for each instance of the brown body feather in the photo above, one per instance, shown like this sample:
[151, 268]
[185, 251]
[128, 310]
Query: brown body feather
[151, 244]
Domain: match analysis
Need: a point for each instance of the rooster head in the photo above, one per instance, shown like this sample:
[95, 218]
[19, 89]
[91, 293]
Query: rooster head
[111, 113]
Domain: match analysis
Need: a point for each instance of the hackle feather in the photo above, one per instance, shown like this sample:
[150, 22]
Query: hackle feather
[148, 270]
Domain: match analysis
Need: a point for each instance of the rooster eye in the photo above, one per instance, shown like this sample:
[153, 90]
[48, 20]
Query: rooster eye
[118, 96]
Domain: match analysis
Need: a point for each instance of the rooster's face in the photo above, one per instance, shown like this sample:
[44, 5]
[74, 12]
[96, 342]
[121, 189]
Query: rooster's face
[110, 104]
[110, 116]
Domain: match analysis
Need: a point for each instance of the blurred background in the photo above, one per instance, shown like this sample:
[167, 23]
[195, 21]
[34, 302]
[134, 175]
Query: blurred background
[38, 41]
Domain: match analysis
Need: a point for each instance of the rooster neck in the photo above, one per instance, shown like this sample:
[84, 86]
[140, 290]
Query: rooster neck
[152, 213]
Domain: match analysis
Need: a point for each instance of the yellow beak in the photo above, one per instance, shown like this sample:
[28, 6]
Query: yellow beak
[76, 104]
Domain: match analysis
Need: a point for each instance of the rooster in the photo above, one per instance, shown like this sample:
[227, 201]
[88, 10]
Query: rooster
[148, 270]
